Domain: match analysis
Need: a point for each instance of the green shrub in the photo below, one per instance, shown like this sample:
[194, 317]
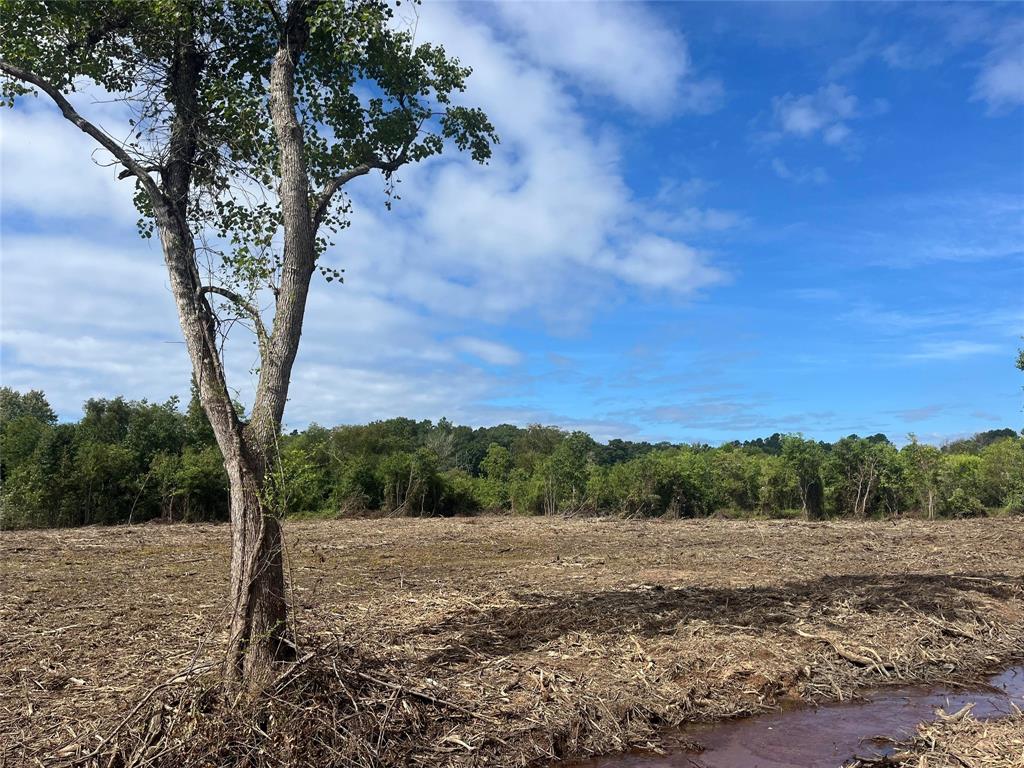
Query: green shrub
[961, 504]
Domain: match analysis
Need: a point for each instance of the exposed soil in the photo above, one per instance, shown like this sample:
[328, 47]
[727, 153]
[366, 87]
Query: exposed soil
[489, 641]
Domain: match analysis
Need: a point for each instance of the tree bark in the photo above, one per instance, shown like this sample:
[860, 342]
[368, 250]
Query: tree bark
[299, 243]
[259, 637]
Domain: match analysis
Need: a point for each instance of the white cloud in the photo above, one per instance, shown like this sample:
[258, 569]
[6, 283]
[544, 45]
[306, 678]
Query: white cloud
[489, 351]
[907, 53]
[924, 413]
[944, 30]
[50, 168]
[333, 393]
[691, 219]
[622, 49]
[822, 112]
[657, 262]
[526, 232]
[83, 283]
[676, 208]
[910, 230]
[953, 350]
[836, 134]
[87, 321]
[1000, 83]
[702, 97]
[816, 175]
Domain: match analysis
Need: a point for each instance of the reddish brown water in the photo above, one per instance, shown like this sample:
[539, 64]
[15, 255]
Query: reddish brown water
[825, 736]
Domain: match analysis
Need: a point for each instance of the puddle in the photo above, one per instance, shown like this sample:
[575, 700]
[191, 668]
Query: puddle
[825, 736]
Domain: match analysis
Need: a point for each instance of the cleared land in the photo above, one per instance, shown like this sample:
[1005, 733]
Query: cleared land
[490, 641]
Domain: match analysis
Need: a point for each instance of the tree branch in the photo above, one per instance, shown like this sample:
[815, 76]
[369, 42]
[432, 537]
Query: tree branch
[323, 201]
[148, 168]
[108, 143]
[271, 6]
[331, 189]
[246, 307]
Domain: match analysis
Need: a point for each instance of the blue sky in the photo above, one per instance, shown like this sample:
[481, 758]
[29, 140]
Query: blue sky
[704, 222]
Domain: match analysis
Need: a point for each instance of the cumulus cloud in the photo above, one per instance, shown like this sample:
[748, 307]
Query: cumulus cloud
[657, 262]
[622, 49]
[51, 169]
[546, 226]
[489, 351]
[83, 318]
[823, 112]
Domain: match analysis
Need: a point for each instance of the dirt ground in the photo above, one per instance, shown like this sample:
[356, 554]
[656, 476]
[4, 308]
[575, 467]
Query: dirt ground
[490, 641]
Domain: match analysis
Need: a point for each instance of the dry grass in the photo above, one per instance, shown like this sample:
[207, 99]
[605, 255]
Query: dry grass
[491, 641]
[960, 740]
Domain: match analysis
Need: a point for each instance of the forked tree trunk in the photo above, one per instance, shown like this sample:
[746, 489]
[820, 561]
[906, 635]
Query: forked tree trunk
[258, 630]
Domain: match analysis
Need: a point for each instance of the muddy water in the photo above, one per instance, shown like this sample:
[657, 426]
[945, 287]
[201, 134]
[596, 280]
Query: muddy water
[825, 736]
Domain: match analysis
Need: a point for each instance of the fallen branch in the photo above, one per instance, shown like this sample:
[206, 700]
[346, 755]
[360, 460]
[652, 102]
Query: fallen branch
[850, 656]
[422, 695]
[178, 678]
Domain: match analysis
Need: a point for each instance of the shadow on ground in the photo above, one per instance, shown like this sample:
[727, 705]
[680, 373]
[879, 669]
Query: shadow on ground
[537, 618]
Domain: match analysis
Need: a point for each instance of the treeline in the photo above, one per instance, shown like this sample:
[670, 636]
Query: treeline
[128, 461]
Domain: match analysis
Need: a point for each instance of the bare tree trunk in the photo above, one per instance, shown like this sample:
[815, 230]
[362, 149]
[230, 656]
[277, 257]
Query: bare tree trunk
[259, 636]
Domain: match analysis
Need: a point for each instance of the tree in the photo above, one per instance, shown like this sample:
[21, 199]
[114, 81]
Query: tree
[961, 485]
[805, 458]
[855, 467]
[564, 473]
[923, 462]
[1002, 474]
[738, 476]
[24, 419]
[33, 404]
[246, 120]
[496, 467]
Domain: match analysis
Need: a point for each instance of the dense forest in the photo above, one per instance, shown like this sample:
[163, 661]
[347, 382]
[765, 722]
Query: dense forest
[128, 461]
